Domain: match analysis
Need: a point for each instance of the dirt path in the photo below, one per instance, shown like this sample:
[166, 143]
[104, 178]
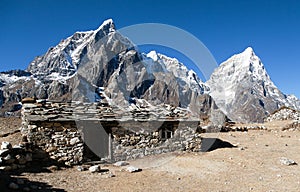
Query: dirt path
[251, 166]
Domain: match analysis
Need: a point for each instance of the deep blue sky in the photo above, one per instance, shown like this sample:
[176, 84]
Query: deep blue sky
[29, 27]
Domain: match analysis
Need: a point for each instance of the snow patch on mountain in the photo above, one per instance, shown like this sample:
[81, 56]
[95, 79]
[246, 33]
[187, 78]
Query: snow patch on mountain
[153, 55]
[8, 79]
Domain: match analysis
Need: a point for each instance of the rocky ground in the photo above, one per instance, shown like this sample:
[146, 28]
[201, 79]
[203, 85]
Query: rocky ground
[257, 160]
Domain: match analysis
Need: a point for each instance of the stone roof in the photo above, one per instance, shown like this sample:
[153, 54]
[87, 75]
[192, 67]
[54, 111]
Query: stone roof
[45, 110]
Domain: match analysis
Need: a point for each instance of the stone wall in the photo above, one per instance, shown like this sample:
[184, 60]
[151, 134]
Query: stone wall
[61, 140]
[14, 157]
[60, 130]
[136, 145]
[50, 127]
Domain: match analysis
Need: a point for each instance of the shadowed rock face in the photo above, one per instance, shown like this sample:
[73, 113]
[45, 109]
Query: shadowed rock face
[1, 98]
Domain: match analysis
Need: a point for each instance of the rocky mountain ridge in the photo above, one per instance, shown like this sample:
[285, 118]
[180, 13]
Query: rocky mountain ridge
[103, 65]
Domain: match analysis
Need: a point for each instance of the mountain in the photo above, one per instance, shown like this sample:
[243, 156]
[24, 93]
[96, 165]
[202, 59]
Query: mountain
[242, 88]
[103, 65]
[63, 59]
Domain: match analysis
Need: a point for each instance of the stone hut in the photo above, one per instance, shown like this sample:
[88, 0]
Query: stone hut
[75, 132]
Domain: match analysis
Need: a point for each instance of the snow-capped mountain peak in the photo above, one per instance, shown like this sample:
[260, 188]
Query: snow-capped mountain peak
[104, 59]
[179, 70]
[242, 87]
[109, 24]
[249, 50]
[244, 64]
[65, 57]
[153, 55]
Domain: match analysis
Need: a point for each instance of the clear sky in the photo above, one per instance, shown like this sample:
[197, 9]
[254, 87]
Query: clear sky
[29, 27]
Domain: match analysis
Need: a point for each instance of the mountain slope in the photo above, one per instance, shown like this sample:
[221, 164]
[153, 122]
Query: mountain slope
[104, 65]
[64, 58]
[243, 89]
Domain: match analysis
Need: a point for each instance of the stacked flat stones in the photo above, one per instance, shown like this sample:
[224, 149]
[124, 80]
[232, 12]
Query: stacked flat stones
[14, 157]
[132, 146]
[284, 114]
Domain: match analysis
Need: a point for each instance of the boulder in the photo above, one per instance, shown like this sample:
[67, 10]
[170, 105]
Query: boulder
[121, 163]
[13, 185]
[6, 145]
[286, 161]
[28, 100]
[132, 169]
[94, 169]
